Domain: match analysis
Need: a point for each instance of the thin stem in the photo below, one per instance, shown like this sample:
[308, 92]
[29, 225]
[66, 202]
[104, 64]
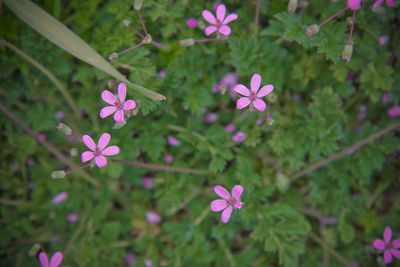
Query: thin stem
[206, 40]
[273, 161]
[77, 169]
[337, 13]
[159, 167]
[76, 234]
[131, 48]
[256, 19]
[233, 92]
[144, 27]
[352, 27]
[161, 46]
[328, 248]
[11, 202]
[134, 29]
[344, 151]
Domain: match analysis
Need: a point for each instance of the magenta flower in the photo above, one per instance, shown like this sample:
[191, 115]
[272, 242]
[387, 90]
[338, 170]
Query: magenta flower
[230, 128]
[54, 261]
[394, 111]
[227, 203]
[254, 95]
[153, 217]
[147, 182]
[99, 150]
[61, 197]
[259, 121]
[239, 137]
[390, 248]
[192, 23]
[168, 158]
[117, 106]
[391, 3]
[72, 217]
[219, 23]
[172, 141]
[130, 258]
[383, 39]
[354, 4]
[385, 98]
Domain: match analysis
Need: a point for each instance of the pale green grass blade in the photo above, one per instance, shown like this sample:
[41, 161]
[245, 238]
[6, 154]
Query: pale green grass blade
[59, 34]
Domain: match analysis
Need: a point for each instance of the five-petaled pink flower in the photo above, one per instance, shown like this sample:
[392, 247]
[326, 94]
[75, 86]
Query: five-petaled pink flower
[391, 3]
[118, 105]
[227, 203]
[354, 4]
[390, 248]
[54, 261]
[99, 150]
[219, 23]
[254, 95]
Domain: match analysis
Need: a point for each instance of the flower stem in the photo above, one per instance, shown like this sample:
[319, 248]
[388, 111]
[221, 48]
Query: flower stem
[352, 27]
[131, 48]
[256, 19]
[141, 20]
[206, 40]
[77, 169]
[160, 46]
[337, 13]
[134, 29]
[328, 248]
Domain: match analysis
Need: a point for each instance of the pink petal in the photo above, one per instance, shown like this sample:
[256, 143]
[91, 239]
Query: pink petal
[379, 244]
[237, 192]
[377, 3]
[396, 243]
[56, 259]
[104, 112]
[241, 89]
[394, 111]
[387, 235]
[121, 92]
[226, 214]
[255, 83]
[100, 161]
[230, 128]
[44, 261]
[221, 10]
[229, 18]
[238, 205]
[354, 4]
[87, 155]
[192, 23]
[387, 256]
[88, 141]
[222, 192]
[218, 205]
[208, 16]
[265, 90]
[110, 151]
[153, 217]
[242, 102]
[225, 30]
[396, 253]
[119, 116]
[60, 197]
[259, 104]
[108, 97]
[172, 141]
[239, 137]
[129, 104]
[391, 3]
[103, 141]
[209, 30]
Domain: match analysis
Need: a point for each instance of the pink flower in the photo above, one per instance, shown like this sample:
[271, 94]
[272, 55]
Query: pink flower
[230, 128]
[161, 73]
[239, 137]
[390, 248]
[227, 203]
[391, 3]
[254, 95]
[72, 217]
[61, 197]
[227, 82]
[41, 136]
[168, 158]
[220, 22]
[210, 117]
[394, 111]
[148, 263]
[259, 121]
[117, 106]
[60, 114]
[147, 182]
[354, 4]
[54, 261]
[385, 98]
[99, 151]
[130, 258]
[153, 217]
[383, 39]
[172, 141]
[192, 23]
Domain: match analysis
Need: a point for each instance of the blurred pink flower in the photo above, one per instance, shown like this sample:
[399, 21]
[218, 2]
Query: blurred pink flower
[239, 137]
[172, 141]
[99, 150]
[354, 4]
[72, 217]
[210, 117]
[383, 39]
[161, 73]
[227, 203]
[219, 23]
[390, 248]
[385, 98]
[117, 106]
[31, 185]
[394, 111]
[153, 217]
[227, 82]
[30, 161]
[147, 182]
[391, 3]
[54, 261]
[254, 95]
[60, 114]
[168, 158]
[130, 258]
[61, 197]
[148, 263]
[192, 23]
[230, 128]
[41, 136]
[259, 121]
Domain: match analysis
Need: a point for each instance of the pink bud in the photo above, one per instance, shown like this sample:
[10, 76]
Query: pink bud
[192, 23]
[72, 217]
[168, 158]
[394, 111]
[230, 128]
[153, 217]
[172, 141]
[147, 182]
[61, 197]
[239, 137]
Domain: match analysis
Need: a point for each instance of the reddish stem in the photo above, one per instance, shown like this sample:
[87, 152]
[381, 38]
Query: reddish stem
[131, 27]
[144, 27]
[337, 13]
[129, 49]
[206, 40]
[352, 26]
[77, 169]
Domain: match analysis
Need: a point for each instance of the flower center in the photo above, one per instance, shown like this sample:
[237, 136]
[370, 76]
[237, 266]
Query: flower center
[230, 202]
[253, 96]
[97, 152]
[218, 23]
[118, 105]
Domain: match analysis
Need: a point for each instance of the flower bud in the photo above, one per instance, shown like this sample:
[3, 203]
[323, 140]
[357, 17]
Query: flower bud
[73, 152]
[58, 175]
[34, 250]
[292, 6]
[186, 42]
[313, 29]
[282, 182]
[126, 22]
[380, 10]
[137, 5]
[347, 52]
[64, 129]
[113, 57]
[272, 98]
[270, 120]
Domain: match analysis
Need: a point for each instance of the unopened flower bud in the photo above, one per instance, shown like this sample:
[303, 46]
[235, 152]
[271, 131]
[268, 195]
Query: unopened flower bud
[282, 182]
[270, 120]
[113, 57]
[186, 42]
[272, 98]
[64, 129]
[58, 174]
[73, 152]
[313, 29]
[380, 10]
[126, 22]
[34, 250]
[292, 6]
[347, 52]
[137, 5]
[118, 125]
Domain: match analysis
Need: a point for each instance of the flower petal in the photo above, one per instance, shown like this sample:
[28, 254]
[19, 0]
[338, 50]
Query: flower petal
[265, 90]
[110, 151]
[87, 155]
[103, 141]
[237, 192]
[396, 253]
[387, 235]
[259, 104]
[229, 18]
[129, 104]
[226, 214]
[379, 244]
[88, 141]
[100, 161]
[122, 92]
[387, 256]
[218, 205]
[108, 97]
[391, 3]
[44, 261]
[209, 30]
[377, 3]
[242, 102]
[255, 82]
[104, 112]
[208, 16]
[221, 10]
[222, 192]
[56, 259]
[396, 243]
[225, 30]
[119, 116]
[238, 205]
[241, 89]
